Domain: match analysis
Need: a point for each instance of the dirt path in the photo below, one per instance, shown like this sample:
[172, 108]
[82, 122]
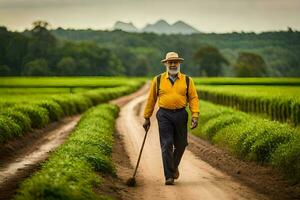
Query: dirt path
[198, 180]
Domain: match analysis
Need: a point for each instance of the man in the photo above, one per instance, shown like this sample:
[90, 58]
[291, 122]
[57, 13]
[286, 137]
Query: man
[174, 91]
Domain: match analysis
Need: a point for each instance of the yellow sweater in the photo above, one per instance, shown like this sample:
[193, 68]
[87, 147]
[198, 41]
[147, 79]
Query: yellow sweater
[172, 96]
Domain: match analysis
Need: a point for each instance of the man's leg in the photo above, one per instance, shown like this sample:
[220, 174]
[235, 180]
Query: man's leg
[180, 136]
[166, 137]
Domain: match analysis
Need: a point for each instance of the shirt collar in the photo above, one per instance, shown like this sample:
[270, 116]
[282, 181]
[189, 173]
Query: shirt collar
[179, 75]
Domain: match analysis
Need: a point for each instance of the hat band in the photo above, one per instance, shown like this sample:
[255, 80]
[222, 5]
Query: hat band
[172, 58]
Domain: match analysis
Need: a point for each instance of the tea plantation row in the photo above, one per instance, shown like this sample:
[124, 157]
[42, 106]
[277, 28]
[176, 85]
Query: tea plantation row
[251, 137]
[20, 115]
[277, 103]
[70, 172]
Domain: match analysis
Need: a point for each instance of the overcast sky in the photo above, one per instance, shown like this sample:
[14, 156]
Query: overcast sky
[205, 15]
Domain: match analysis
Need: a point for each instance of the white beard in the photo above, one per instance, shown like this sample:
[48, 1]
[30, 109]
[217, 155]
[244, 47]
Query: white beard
[172, 71]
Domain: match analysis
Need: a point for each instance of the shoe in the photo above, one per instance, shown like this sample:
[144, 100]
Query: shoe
[169, 181]
[176, 174]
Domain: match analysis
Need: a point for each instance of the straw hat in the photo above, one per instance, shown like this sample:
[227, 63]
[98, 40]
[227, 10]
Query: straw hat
[171, 56]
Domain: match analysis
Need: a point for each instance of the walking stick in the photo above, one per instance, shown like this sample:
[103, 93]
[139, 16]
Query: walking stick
[131, 181]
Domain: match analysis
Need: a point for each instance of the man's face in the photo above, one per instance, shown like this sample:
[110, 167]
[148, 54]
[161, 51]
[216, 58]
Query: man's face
[172, 66]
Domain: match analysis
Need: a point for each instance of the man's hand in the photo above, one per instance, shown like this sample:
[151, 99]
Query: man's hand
[147, 124]
[194, 122]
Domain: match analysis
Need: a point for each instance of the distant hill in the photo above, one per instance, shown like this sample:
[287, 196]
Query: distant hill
[160, 27]
[128, 27]
[183, 28]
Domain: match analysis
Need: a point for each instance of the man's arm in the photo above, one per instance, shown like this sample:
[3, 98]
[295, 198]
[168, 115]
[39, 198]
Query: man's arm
[193, 104]
[152, 97]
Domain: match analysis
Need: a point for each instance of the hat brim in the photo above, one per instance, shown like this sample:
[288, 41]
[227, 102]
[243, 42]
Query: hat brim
[165, 60]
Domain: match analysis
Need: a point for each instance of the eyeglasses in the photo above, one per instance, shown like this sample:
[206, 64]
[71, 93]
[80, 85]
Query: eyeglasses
[171, 62]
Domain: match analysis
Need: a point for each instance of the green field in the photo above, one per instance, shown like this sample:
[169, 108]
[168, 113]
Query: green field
[250, 123]
[45, 90]
[250, 137]
[28, 103]
[280, 103]
[41, 103]
[247, 81]
[64, 82]
[258, 90]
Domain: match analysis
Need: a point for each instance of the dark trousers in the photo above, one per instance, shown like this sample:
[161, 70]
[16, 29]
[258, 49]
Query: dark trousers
[173, 137]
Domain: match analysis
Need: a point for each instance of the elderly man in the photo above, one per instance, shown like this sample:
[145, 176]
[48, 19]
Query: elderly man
[174, 91]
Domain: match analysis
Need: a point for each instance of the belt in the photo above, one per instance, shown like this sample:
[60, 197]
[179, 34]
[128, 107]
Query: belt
[172, 110]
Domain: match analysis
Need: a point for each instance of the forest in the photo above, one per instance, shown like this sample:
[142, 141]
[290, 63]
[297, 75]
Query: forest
[42, 51]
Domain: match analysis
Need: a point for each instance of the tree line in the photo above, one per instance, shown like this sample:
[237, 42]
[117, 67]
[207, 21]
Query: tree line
[40, 51]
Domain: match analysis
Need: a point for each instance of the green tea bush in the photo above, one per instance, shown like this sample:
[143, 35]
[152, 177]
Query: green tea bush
[39, 116]
[273, 135]
[53, 108]
[276, 103]
[69, 173]
[67, 106]
[217, 123]
[251, 137]
[287, 158]
[8, 128]
[19, 118]
[36, 111]
[267, 81]
[70, 178]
